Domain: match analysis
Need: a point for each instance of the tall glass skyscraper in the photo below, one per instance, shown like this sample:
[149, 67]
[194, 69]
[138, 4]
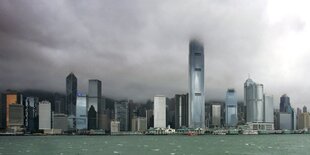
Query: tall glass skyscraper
[94, 99]
[254, 100]
[71, 91]
[196, 85]
[231, 108]
[81, 112]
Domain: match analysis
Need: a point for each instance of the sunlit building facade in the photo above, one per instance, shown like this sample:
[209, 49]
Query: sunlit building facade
[196, 85]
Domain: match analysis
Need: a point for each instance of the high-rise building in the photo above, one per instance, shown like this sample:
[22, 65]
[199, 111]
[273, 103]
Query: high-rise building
[16, 117]
[121, 114]
[285, 105]
[216, 115]
[285, 111]
[159, 112]
[8, 98]
[91, 118]
[102, 114]
[304, 109]
[196, 85]
[45, 115]
[94, 99]
[181, 111]
[71, 91]
[81, 112]
[268, 109]
[254, 100]
[231, 108]
[60, 104]
[304, 121]
[150, 118]
[31, 120]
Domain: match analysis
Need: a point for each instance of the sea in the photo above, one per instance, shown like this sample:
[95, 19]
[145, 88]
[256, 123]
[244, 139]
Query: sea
[290, 144]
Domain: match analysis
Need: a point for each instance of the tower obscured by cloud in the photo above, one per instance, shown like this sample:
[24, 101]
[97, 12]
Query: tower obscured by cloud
[196, 85]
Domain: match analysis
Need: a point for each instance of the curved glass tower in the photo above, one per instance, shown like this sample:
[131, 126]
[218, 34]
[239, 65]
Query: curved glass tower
[196, 85]
[254, 100]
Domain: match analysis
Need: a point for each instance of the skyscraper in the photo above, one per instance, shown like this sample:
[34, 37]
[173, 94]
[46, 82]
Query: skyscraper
[268, 109]
[159, 112]
[8, 98]
[285, 105]
[31, 114]
[94, 99]
[304, 109]
[231, 108]
[71, 91]
[81, 112]
[196, 85]
[254, 100]
[216, 115]
[121, 114]
[45, 115]
[181, 111]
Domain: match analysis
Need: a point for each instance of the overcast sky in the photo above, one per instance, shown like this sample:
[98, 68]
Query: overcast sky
[139, 48]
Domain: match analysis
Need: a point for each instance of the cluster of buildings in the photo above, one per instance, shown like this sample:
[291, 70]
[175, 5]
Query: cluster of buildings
[92, 113]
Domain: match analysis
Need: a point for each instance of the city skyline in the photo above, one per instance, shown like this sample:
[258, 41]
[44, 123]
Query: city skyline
[148, 54]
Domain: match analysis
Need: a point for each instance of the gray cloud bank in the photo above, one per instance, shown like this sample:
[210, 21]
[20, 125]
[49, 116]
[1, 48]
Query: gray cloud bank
[140, 48]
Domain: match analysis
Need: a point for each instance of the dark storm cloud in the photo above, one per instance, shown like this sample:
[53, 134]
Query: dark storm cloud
[136, 48]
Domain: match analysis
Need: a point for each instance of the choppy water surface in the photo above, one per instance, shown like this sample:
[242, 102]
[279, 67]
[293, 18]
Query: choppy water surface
[151, 145]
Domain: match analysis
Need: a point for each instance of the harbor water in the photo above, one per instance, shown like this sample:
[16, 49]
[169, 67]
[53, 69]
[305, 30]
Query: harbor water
[156, 145]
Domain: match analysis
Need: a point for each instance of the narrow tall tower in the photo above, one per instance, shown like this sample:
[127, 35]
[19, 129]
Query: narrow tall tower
[71, 91]
[196, 85]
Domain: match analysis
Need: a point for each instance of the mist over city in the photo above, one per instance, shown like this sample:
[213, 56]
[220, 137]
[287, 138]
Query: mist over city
[139, 49]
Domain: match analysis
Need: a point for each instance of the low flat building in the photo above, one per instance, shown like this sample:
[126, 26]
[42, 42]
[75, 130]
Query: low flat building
[139, 124]
[115, 126]
[60, 121]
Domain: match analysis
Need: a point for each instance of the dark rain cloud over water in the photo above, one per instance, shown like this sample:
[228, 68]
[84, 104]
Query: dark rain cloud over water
[140, 48]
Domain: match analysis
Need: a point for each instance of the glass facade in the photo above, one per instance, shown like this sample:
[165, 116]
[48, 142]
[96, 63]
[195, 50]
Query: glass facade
[196, 85]
[121, 114]
[94, 99]
[71, 91]
[81, 113]
[254, 100]
[231, 108]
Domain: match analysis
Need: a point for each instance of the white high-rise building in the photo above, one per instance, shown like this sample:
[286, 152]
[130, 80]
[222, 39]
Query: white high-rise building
[159, 112]
[45, 115]
[196, 85]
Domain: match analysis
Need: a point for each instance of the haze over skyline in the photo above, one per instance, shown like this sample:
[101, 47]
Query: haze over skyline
[139, 49]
